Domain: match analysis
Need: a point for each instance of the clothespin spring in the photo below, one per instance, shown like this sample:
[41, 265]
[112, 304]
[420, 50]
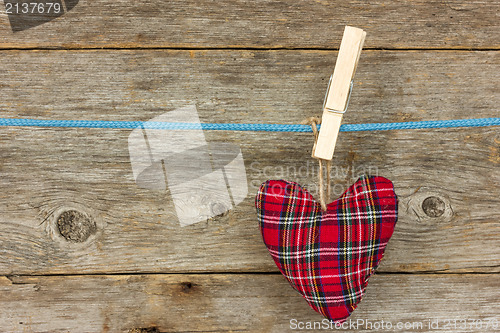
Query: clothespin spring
[328, 91]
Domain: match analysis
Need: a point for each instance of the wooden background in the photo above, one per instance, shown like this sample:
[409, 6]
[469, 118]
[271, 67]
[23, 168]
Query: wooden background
[244, 61]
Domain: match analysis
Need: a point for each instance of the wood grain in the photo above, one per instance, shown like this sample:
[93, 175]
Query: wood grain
[229, 303]
[48, 171]
[240, 61]
[137, 229]
[246, 86]
[263, 24]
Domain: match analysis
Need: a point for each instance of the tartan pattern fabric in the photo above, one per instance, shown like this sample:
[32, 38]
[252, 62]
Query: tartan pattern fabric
[328, 256]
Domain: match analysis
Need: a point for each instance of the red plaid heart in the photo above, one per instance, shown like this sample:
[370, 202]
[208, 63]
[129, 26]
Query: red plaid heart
[328, 256]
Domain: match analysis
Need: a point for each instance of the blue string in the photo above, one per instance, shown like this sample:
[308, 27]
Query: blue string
[18, 122]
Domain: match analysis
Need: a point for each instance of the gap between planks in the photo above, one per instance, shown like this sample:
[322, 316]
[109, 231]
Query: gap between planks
[12, 277]
[230, 48]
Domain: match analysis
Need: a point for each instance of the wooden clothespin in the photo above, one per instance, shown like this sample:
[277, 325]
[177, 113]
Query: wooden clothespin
[338, 92]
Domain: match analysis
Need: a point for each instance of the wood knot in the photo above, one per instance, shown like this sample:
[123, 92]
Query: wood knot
[428, 206]
[75, 226]
[433, 206]
[218, 209]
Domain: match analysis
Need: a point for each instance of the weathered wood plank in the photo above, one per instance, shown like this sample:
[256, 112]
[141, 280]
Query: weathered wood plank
[247, 303]
[263, 24]
[45, 172]
[246, 86]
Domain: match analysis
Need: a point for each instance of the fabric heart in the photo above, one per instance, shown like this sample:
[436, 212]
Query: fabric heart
[328, 256]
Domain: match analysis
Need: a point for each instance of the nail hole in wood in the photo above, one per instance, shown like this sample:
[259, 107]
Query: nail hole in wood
[186, 286]
[75, 226]
[145, 330]
[433, 206]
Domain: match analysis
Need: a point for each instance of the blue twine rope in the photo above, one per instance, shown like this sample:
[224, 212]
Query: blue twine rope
[19, 122]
